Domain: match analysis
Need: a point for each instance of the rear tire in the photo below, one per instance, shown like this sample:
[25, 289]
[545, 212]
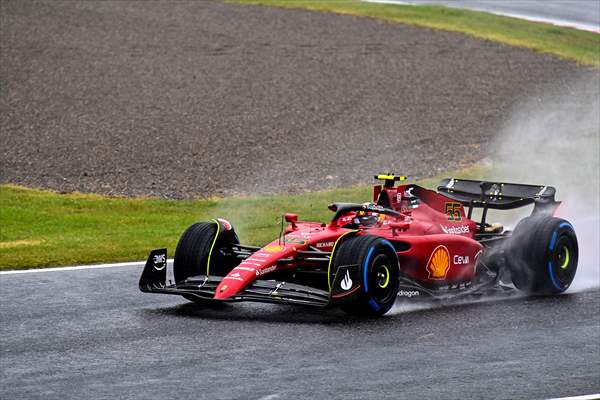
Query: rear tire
[378, 270]
[542, 255]
[194, 248]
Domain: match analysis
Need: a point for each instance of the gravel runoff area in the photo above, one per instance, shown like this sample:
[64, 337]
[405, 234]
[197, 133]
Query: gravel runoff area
[194, 99]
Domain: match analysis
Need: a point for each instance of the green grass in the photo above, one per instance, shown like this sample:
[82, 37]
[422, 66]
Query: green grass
[43, 229]
[572, 44]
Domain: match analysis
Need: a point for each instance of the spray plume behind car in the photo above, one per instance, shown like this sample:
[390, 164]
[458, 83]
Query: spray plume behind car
[555, 137]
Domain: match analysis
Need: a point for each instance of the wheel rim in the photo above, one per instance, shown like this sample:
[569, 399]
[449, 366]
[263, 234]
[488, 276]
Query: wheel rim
[564, 256]
[562, 263]
[381, 279]
[382, 276]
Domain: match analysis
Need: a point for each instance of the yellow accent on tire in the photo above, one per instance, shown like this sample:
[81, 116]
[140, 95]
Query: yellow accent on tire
[387, 277]
[567, 258]
[212, 246]
[331, 257]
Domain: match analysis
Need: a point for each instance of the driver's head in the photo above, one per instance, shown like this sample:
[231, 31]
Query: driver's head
[366, 220]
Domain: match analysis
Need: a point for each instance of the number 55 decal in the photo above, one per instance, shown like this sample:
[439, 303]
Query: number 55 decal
[453, 211]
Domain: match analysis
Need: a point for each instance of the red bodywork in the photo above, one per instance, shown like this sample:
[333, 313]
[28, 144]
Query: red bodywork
[431, 234]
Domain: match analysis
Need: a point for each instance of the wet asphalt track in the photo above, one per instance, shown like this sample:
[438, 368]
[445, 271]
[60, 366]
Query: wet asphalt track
[92, 334]
[581, 14]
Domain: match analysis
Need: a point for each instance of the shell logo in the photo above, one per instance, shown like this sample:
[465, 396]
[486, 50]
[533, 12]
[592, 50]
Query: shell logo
[439, 263]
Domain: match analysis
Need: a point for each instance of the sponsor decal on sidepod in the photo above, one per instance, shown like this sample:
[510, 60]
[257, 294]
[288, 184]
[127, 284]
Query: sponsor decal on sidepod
[456, 230]
[460, 260]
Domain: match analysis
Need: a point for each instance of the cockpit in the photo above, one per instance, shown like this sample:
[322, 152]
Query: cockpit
[366, 215]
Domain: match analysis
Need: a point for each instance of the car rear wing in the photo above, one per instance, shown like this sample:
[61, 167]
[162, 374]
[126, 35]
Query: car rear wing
[499, 195]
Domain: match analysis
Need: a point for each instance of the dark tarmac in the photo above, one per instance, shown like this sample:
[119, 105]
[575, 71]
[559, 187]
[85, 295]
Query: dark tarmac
[91, 334]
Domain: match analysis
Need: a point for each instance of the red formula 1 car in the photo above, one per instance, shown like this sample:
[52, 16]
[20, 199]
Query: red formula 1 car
[409, 242]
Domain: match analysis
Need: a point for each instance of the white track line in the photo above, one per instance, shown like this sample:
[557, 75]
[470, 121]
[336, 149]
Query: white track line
[585, 397]
[77, 267]
[170, 260]
[553, 21]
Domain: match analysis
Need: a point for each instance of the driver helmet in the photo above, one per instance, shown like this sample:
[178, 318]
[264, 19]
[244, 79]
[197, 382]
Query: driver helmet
[366, 219]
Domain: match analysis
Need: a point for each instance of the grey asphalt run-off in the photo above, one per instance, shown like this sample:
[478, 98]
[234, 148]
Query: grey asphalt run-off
[91, 334]
[194, 99]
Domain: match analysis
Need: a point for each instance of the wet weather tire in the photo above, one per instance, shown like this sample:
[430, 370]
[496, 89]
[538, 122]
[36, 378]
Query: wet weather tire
[542, 255]
[378, 272]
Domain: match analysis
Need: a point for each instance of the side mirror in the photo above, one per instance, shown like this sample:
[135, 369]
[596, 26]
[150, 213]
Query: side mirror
[292, 219]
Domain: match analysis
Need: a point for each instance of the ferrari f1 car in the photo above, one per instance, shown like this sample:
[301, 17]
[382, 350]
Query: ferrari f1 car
[408, 242]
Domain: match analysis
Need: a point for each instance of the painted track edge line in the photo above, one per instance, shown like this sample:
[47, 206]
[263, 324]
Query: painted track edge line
[547, 20]
[77, 267]
[584, 397]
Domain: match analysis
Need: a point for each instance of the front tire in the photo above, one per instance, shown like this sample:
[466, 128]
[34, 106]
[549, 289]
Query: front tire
[201, 243]
[378, 271]
[542, 255]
